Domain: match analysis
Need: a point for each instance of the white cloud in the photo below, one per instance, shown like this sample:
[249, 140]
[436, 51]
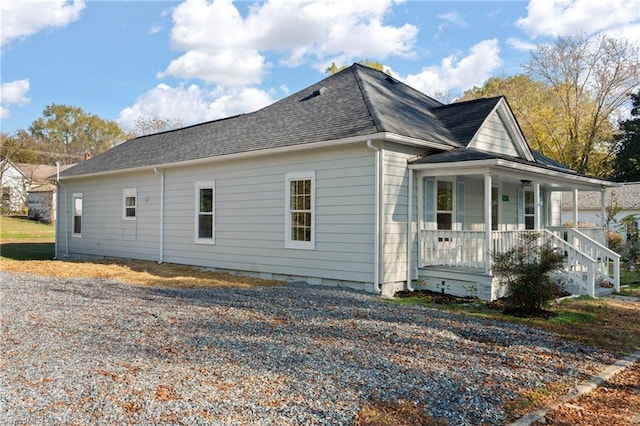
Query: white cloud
[13, 93]
[26, 17]
[155, 29]
[453, 18]
[520, 44]
[225, 66]
[192, 104]
[215, 36]
[455, 74]
[569, 17]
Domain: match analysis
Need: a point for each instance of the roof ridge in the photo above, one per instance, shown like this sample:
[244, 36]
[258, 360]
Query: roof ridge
[377, 121]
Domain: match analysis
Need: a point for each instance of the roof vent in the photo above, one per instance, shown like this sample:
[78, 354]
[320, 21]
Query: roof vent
[320, 91]
[315, 93]
[391, 80]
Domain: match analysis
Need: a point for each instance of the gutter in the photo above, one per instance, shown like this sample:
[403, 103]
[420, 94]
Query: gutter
[378, 205]
[55, 249]
[161, 174]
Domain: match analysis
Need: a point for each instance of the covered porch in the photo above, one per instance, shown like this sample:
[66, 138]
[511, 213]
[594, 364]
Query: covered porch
[469, 210]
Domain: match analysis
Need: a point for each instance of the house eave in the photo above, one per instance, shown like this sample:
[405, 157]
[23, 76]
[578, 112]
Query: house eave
[386, 136]
[514, 169]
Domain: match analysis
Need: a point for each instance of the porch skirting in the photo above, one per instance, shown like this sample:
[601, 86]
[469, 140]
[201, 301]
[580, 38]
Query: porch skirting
[459, 282]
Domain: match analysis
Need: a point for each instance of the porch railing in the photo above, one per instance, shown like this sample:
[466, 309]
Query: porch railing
[591, 241]
[463, 249]
[585, 258]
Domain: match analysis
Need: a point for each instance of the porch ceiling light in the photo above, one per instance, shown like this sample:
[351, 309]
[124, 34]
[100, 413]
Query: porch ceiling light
[525, 182]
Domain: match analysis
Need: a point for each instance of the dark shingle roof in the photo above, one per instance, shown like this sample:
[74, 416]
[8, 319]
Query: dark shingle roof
[357, 101]
[463, 119]
[470, 154]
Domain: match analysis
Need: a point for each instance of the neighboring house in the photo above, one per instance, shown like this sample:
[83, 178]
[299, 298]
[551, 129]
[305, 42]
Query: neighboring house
[14, 187]
[321, 187]
[625, 200]
[41, 193]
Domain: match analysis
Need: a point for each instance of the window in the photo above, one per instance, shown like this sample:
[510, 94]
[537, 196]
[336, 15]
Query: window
[77, 215]
[444, 205]
[300, 219]
[130, 200]
[205, 212]
[529, 210]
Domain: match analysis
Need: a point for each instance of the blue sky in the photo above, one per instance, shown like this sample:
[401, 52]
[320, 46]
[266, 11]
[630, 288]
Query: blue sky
[199, 60]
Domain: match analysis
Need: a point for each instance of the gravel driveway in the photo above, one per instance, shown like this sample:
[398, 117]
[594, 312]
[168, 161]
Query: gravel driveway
[88, 351]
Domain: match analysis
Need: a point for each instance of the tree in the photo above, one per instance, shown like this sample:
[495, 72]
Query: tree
[334, 69]
[148, 125]
[15, 149]
[534, 107]
[590, 79]
[66, 133]
[627, 161]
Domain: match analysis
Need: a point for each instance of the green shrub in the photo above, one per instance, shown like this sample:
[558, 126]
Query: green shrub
[526, 271]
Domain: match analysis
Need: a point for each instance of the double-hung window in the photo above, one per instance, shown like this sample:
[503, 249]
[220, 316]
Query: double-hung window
[300, 210]
[129, 204]
[205, 212]
[529, 210]
[77, 215]
[444, 205]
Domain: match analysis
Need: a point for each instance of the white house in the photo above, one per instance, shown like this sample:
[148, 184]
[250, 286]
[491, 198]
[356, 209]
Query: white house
[321, 187]
[14, 183]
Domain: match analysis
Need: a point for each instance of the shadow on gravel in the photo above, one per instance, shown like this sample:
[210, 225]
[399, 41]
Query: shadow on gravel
[27, 251]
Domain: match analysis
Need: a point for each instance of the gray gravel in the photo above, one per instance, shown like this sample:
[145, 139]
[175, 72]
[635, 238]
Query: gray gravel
[92, 351]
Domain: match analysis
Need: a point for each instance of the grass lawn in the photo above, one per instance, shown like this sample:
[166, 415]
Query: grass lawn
[24, 239]
[630, 283]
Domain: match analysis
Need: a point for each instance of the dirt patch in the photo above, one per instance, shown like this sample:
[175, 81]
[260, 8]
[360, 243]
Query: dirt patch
[138, 272]
[614, 402]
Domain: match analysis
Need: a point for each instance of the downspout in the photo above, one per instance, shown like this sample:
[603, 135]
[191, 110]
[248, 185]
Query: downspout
[155, 170]
[410, 231]
[376, 250]
[66, 221]
[55, 249]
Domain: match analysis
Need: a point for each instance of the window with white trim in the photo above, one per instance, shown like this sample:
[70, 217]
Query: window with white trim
[529, 210]
[205, 212]
[129, 203]
[444, 204]
[300, 210]
[77, 215]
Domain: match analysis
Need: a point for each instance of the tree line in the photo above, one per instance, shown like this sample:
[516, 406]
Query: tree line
[569, 103]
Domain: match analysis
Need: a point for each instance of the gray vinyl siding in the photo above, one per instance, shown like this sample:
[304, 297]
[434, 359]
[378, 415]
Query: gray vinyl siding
[249, 213]
[396, 175]
[104, 231]
[493, 137]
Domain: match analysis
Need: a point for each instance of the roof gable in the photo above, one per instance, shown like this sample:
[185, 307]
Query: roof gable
[486, 124]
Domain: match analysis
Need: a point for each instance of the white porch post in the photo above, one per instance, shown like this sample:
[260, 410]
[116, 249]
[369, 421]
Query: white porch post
[537, 206]
[603, 212]
[487, 223]
[575, 208]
